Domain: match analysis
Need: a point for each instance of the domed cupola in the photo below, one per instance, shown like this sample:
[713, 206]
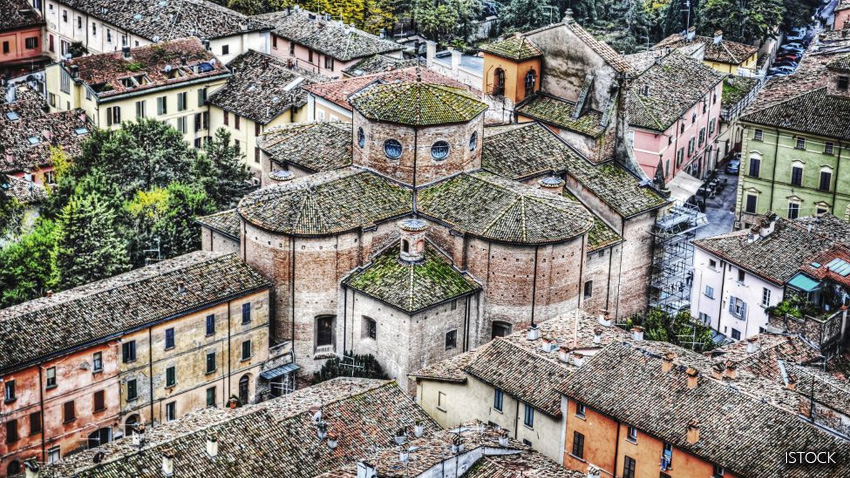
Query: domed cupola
[416, 132]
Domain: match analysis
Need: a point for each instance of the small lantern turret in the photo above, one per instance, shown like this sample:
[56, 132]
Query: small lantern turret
[412, 240]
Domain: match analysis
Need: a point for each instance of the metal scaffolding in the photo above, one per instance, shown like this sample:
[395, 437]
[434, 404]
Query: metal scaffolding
[673, 257]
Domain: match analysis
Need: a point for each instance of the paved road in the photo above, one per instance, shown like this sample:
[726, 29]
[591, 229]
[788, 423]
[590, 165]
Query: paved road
[720, 210]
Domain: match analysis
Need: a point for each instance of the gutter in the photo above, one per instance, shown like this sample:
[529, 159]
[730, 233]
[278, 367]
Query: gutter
[143, 91]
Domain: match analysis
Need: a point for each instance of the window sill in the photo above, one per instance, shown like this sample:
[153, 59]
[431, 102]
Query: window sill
[578, 458]
[629, 440]
[10, 400]
[50, 387]
[441, 409]
[582, 417]
[100, 411]
[246, 359]
[211, 372]
[500, 412]
[95, 372]
[171, 387]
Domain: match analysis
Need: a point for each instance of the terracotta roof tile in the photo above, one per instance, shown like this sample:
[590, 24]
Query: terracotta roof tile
[17, 14]
[224, 222]
[726, 51]
[417, 104]
[814, 112]
[558, 112]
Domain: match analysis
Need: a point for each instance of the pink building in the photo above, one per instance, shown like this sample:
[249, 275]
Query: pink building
[321, 45]
[674, 114]
[20, 38]
[842, 15]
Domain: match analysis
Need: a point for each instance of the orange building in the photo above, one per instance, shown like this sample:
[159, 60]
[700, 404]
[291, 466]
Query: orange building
[632, 413]
[511, 74]
[20, 39]
[81, 367]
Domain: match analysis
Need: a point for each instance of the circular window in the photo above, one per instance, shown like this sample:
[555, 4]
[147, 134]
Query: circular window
[392, 148]
[473, 141]
[361, 137]
[440, 150]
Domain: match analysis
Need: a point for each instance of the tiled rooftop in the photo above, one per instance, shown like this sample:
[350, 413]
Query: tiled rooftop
[224, 222]
[316, 147]
[379, 63]
[340, 91]
[559, 112]
[725, 51]
[17, 14]
[106, 308]
[516, 47]
[262, 87]
[492, 207]
[611, 57]
[26, 192]
[163, 20]
[411, 287]
[814, 112]
[153, 66]
[326, 203]
[665, 91]
[823, 387]
[828, 226]
[417, 103]
[329, 37]
[737, 431]
[27, 132]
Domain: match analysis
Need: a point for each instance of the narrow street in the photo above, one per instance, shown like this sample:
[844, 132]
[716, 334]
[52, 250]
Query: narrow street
[720, 210]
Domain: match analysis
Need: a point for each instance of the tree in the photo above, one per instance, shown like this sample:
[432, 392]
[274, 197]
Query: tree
[28, 265]
[89, 246]
[364, 366]
[524, 15]
[221, 171]
[446, 20]
[11, 210]
[742, 20]
[678, 329]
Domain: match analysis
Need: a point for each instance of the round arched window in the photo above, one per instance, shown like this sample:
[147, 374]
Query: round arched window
[392, 148]
[361, 137]
[473, 141]
[440, 150]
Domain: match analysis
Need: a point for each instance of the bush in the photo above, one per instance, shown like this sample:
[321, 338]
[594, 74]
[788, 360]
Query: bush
[365, 366]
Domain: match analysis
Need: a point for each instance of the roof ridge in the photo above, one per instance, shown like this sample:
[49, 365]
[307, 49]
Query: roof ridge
[787, 100]
[647, 109]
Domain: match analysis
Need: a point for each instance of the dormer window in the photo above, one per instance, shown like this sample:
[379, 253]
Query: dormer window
[392, 148]
[440, 150]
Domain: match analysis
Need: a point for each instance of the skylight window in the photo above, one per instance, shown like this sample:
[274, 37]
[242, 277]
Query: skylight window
[12, 116]
[80, 131]
[34, 140]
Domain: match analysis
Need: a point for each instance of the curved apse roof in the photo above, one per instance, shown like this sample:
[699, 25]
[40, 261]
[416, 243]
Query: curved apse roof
[417, 104]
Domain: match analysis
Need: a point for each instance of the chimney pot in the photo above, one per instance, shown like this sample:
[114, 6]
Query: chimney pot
[637, 333]
[212, 446]
[693, 431]
[597, 335]
[731, 371]
[168, 462]
[605, 318]
[667, 362]
[316, 413]
[752, 344]
[49, 293]
[693, 378]
[366, 470]
[503, 438]
[333, 440]
[400, 436]
[792, 384]
[419, 429]
[578, 359]
[717, 371]
[718, 37]
[564, 354]
[533, 332]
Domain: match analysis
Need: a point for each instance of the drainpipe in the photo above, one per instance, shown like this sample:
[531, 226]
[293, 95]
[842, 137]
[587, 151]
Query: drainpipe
[722, 288]
[292, 289]
[533, 288]
[581, 272]
[837, 171]
[227, 395]
[150, 369]
[775, 160]
[344, 316]
[41, 404]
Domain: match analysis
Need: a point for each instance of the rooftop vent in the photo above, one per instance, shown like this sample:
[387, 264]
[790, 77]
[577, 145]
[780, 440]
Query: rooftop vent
[181, 287]
[578, 359]
[212, 446]
[533, 332]
[168, 462]
[292, 84]
[33, 140]
[637, 333]
[403, 454]
[564, 354]
[752, 344]
[321, 430]
[693, 431]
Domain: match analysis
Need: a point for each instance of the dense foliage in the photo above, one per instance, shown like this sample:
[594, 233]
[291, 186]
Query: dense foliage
[678, 329]
[362, 366]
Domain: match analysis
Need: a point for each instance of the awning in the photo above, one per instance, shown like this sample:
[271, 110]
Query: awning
[803, 282]
[683, 186]
[278, 372]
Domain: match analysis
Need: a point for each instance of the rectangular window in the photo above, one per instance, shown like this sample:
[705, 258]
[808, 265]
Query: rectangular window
[793, 210]
[170, 377]
[225, 49]
[758, 135]
[53, 455]
[691, 146]
[441, 401]
[702, 135]
[256, 154]
[680, 156]
[498, 399]
[210, 362]
[258, 129]
[182, 101]
[451, 339]
[750, 207]
[825, 180]
[310, 56]
[226, 118]
[828, 148]
[528, 416]
[588, 289]
[667, 456]
[12, 431]
[370, 328]
[181, 124]
[274, 42]
[35, 423]
[69, 412]
[113, 115]
[51, 377]
[632, 434]
[704, 318]
[9, 391]
[140, 109]
[329, 63]
[843, 82]
[246, 350]
[170, 411]
[132, 390]
[162, 105]
[108, 36]
[202, 97]
[31, 43]
[712, 263]
[737, 307]
[128, 351]
[629, 467]
[211, 397]
[99, 401]
[719, 471]
[169, 338]
[246, 313]
[796, 176]
[741, 276]
[736, 334]
[236, 121]
[578, 445]
[292, 48]
[755, 167]
[709, 292]
[765, 297]
[581, 410]
[801, 143]
[210, 325]
[94, 29]
[6, 48]
[711, 126]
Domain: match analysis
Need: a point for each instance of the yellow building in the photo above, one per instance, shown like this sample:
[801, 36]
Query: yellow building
[724, 56]
[511, 74]
[263, 92]
[168, 81]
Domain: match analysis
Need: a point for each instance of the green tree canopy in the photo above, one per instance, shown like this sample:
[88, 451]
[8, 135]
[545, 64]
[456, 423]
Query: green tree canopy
[28, 268]
[221, 171]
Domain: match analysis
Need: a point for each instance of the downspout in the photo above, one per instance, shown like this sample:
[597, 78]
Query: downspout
[608, 287]
[466, 324]
[415, 154]
[41, 404]
[581, 272]
[837, 172]
[516, 418]
[722, 288]
[344, 317]
[616, 450]
[150, 368]
[773, 181]
[227, 395]
[292, 289]
[533, 291]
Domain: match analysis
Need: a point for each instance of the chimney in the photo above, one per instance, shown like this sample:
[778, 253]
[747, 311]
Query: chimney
[32, 469]
[412, 240]
[168, 462]
[552, 184]
[731, 371]
[181, 287]
[49, 294]
[430, 52]
[693, 431]
[212, 446]
[693, 378]
[692, 33]
[400, 436]
[456, 57]
[321, 430]
[533, 332]
[717, 370]
[564, 354]
[718, 37]
[578, 359]
[597, 336]
[403, 454]
[316, 413]
[593, 471]
[138, 437]
[419, 429]
[333, 441]
[605, 318]
[503, 438]
[366, 470]
[457, 444]
[548, 345]
[125, 51]
[667, 362]
[752, 344]
[792, 383]
[637, 333]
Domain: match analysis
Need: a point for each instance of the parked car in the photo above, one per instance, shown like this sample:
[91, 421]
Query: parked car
[795, 57]
[733, 166]
[780, 71]
[798, 31]
[790, 51]
[790, 63]
[794, 45]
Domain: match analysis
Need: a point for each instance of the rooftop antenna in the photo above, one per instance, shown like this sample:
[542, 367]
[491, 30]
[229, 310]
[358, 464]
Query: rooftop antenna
[687, 9]
[158, 250]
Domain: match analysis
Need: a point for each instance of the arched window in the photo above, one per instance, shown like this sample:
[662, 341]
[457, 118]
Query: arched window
[405, 246]
[530, 81]
[14, 468]
[473, 141]
[99, 437]
[361, 137]
[499, 82]
[501, 329]
[392, 148]
[130, 425]
[440, 150]
[244, 388]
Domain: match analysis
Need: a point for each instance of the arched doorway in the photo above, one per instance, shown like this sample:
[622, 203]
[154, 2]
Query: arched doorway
[130, 425]
[530, 81]
[244, 388]
[99, 437]
[499, 82]
[14, 468]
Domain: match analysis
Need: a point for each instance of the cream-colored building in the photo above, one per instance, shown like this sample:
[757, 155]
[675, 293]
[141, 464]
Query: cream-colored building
[262, 93]
[511, 381]
[169, 82]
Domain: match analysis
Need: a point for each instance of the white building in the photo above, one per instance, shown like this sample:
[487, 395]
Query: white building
[466, 69]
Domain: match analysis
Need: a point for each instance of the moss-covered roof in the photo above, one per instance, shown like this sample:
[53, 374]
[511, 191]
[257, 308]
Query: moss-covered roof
[559, 113]
[326, 203]
[489, 206]
[315, 147]
[601, 235]
[516, 47]
[224, 222]
[411, 287]
[417, 104]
